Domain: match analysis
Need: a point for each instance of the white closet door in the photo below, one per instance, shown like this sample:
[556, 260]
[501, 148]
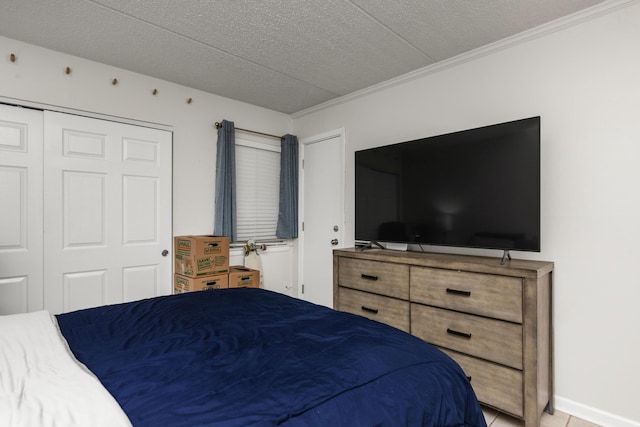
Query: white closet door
[108, 212]
[20, 210]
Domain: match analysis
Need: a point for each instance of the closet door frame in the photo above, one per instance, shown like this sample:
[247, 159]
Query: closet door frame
[36, 293]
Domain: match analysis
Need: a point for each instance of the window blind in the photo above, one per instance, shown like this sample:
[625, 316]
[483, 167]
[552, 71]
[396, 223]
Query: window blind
[257, 189]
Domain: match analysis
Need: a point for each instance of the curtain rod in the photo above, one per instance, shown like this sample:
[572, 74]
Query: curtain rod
[218, 125]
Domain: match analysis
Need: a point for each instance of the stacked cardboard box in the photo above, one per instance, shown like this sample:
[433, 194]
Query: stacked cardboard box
[183, 284]
[201, 263]
[243, 277]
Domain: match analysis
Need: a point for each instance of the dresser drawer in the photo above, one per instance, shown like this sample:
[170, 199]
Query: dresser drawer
[382, 278]
[489, 339]
[495, 385]
[483, 294]
[387, 310]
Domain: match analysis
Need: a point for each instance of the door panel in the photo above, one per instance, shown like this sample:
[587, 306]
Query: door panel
[140, 209]
[84, 289]
[84, 210]
[108, 203]
[21, 284]
[323, 210]
[13, 193]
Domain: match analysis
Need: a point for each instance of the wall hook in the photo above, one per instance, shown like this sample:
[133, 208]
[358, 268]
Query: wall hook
[13, 57]
[114, 82]
[67, 70]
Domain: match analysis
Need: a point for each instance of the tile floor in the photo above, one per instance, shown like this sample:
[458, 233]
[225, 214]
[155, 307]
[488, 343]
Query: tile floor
[558, 419]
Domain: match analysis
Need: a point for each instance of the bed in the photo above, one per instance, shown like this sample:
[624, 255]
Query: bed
[236, 357]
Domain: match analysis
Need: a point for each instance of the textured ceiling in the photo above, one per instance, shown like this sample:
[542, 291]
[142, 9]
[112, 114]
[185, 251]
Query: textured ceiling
[286, 55]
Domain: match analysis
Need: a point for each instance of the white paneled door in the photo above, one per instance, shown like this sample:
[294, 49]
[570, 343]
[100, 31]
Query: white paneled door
[107, 202]
[322, 194]
[21, 285]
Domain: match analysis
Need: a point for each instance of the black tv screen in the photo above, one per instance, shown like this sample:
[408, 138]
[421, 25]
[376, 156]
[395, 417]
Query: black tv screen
[476, 188]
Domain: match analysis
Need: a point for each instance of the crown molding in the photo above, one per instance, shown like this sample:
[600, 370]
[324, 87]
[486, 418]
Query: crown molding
[554, 26]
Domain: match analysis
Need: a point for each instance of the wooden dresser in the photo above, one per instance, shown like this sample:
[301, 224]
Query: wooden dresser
[494, 320]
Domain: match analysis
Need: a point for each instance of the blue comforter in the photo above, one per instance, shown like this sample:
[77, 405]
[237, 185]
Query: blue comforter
[245, 357]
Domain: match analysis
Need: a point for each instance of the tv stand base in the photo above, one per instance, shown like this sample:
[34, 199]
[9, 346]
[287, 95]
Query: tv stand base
[505, 255]
[370, 245]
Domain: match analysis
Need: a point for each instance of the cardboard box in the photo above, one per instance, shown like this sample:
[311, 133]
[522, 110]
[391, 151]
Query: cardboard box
[197, 256]
[240, 276]
[182, 284]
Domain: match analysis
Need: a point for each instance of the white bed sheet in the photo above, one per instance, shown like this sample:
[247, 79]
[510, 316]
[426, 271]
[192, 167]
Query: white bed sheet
[41, 382]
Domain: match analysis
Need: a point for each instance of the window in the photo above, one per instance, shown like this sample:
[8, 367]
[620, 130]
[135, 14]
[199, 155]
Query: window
[257, 187]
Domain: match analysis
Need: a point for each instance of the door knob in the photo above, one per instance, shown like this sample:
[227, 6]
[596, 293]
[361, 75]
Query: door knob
[334, 242]
[165, 252]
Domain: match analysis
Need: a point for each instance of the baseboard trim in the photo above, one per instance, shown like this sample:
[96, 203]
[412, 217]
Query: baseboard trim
[593, 415]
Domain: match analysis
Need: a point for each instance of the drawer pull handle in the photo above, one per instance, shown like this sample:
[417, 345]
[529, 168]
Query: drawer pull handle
[458, 333]
[459, 292]
[369, 277]
[370, 310]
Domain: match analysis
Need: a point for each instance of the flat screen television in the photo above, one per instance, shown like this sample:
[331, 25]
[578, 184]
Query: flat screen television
[477, 188]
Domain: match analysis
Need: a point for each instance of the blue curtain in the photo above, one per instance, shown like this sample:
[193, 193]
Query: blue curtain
[225, 198]
[288, 211]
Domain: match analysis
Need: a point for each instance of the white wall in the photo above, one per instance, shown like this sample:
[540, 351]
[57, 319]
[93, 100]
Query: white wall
[38, 76]
[584, 81]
